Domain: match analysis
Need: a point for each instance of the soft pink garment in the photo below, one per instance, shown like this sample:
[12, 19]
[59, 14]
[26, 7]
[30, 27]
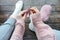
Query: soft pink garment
[42, 30]
[45, 12]
[19, 31]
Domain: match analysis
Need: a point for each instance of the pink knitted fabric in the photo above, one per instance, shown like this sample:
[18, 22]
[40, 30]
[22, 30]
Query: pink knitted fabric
[45, 12]
[42, 30]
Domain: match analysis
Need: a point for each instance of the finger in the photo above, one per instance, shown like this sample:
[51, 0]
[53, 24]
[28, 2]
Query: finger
[35, 9]
[31, 13]
[22, 13]
[24, 16]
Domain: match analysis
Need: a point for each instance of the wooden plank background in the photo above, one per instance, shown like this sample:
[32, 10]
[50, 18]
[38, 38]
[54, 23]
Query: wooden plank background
[7, 8]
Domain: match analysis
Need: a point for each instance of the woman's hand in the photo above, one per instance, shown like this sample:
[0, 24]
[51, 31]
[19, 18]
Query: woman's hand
[35, 16]
[20, 24]
[34, 9]
[42, 30]
[21, 16]
[19, 27]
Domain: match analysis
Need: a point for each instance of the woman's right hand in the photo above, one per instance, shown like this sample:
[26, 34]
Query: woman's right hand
[35, 16]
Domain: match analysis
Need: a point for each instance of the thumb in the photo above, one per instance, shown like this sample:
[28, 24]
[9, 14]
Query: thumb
[24, 16]
[32, 13]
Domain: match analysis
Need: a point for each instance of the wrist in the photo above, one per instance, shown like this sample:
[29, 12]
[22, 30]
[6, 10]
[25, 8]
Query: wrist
[37, 22]
[20, 22]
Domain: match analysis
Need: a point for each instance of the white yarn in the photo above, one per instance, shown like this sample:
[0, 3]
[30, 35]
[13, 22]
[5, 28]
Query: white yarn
[18, 8]
[31, 26]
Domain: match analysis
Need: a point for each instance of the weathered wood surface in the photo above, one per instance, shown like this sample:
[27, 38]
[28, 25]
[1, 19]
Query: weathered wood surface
[7, 8]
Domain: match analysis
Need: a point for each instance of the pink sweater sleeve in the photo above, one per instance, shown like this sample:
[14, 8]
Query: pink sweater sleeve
[18, 32]
[44, 31]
